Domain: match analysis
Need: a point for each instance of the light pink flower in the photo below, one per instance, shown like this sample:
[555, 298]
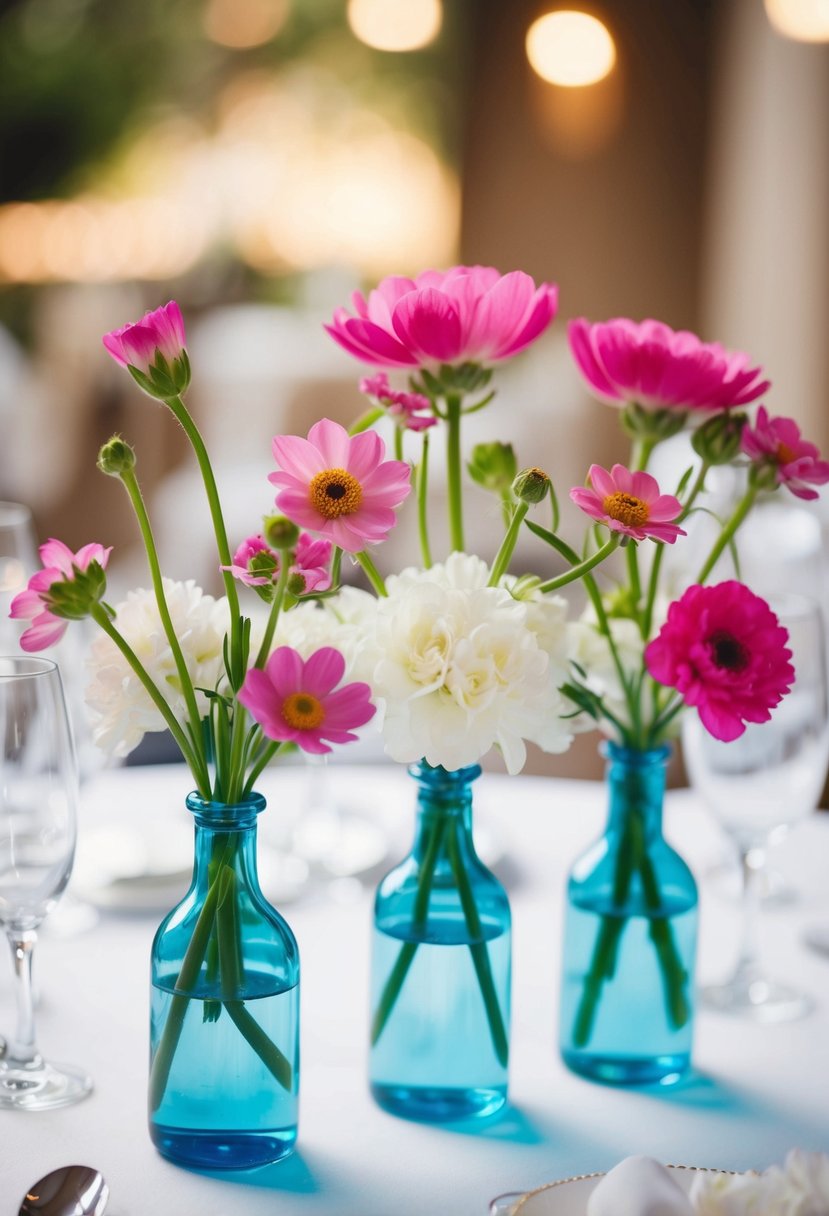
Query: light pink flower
[469, 314]
[660, 368]
[725, 651]
[630, 503]
[776, 442]
[339, 485]
[298, 701]
[61, 565]
[136, 344]
[411, 411]
[311, 560]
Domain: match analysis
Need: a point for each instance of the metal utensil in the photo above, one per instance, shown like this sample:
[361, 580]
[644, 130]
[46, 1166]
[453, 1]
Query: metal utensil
[72, 1190]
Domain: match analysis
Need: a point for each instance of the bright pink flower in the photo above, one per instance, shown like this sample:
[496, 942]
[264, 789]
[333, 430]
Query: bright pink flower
[660, 368]
[338, 484]
[411, 411]
[298, 702]
[61, 566]
[136, 344]
[630, 503]
[256, 564]
[469, 314]
[776, 443]
[724, 650]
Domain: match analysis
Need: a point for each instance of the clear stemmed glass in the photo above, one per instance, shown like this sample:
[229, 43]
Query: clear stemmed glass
[18, 559]
[38, 815]
[758, 786]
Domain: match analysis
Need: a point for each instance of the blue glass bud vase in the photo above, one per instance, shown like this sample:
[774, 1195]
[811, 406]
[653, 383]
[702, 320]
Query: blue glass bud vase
[441, 962]
[627, 990]
[224, 1062]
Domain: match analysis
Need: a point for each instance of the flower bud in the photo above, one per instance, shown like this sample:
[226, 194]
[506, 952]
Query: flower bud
[297, 583]
[531, 485]
[116, 457]
[493, 466]
[654, 425]
[717, 441]
[280, 532]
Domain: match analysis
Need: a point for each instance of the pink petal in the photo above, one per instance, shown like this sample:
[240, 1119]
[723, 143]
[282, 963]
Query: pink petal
[46, 630]
[332, 442]
[428, 323]
[92, 553]
[56, 553]
[298, 509]
[588, 500]
[284, 669]
[323, 671]
[297, 456]
[579, 334]
[645, 486]
[25, 605]
[366, 450]
[664, 508]
[603, 483]
[381, 348]
[349, 707]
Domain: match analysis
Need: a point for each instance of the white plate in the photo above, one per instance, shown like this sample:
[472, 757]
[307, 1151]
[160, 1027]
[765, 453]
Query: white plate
[568, 1196]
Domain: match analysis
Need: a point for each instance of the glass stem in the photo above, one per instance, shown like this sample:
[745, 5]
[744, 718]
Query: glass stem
[22, 1049]
[752, 862]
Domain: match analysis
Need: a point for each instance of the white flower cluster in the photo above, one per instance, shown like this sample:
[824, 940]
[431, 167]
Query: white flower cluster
[799, 1188]
[122, 710]
[459, 667]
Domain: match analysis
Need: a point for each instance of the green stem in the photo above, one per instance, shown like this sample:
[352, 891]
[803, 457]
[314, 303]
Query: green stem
[581, 568]
[453, 471]
[336, 564]
[674, 975]
[100, 618]
[422, 502]
[262, 763]
[633, 575]
[366, 420]
[372, 573]
[398, 442]
[277, 1064]
[643, 453]
[653, 581]
[507, 503]
[742, 510]
[505, 552]
[276, 608]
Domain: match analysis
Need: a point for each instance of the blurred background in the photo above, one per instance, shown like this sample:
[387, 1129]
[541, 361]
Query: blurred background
[259, 159]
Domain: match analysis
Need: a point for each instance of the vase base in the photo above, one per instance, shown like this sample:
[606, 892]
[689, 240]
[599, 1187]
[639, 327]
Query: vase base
[433, 1104]
[222, 1150]
[629, 1070]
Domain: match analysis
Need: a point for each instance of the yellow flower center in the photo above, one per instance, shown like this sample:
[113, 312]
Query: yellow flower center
[627, 508]
[302, 711]
[785, 455]
[335, 492]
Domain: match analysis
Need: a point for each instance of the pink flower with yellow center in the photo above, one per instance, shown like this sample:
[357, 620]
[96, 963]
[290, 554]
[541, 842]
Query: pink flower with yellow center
[725, 652]
[339, 484]
[296, 701]
[411, 411]
[630, 503]
[776, 443]
[653, 366]
[73, 580]
[469, 314]
[256, 564]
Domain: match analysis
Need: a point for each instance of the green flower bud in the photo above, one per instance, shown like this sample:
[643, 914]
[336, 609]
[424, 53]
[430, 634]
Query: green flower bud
[717, 441]
[531, 485]
[296, 583]
[165, 378]
[493, 466]
[280, 532]
[654, 425]
[116, 457]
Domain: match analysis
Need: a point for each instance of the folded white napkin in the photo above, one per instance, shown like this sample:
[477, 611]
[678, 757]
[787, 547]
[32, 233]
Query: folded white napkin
[638, 1186]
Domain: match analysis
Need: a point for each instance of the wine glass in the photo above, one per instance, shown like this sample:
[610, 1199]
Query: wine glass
[38, 812]
[18, 559]
[758, 786]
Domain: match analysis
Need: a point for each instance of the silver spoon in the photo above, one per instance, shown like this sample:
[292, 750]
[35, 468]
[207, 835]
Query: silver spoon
[73, 1190]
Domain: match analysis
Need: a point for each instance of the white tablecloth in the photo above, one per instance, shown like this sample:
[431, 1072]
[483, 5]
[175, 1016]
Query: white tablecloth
[756, 1091]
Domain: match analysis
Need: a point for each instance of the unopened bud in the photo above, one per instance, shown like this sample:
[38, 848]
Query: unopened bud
[493, 466]
[653, 425]
[116, 457]
[717, 441]
[531, 485]
[280, 532]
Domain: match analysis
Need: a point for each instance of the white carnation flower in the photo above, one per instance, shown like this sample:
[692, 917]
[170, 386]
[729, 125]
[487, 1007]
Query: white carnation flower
[122, 710]
[800, 1188]
[344, 621]
[460, 668]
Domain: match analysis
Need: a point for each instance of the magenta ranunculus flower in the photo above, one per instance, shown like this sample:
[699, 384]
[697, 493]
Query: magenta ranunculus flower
[63, 590]
[725, 652]
[256, 564]
[653, 366]
[411, 411]
[469, 314]
[776, 444]
[630, 503]
[137, 346]
[299, 702]
[339, 484]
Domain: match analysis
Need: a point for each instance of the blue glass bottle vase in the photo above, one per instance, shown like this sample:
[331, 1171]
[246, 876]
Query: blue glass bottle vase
[627, 989]
[441, 963]
[224, 1027]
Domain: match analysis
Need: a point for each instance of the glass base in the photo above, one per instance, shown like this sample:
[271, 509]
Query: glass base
[222, 1150]
[751, 994]
[431, 1104]
[629, 1070]
[41, 1086]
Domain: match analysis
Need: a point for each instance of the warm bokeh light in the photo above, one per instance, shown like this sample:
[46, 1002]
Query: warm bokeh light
[240, 24]
[804, 20]
[395, 25]
[570, 48]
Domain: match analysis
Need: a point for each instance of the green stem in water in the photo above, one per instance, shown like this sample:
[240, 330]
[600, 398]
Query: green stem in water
[581, 568]
[453, 471]
[422, 502]
[372, 573]
[743, 507]
[505, 552]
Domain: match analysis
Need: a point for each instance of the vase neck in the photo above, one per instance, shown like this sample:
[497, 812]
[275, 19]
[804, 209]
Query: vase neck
[636, 783]
[225, 836]
[443, 795]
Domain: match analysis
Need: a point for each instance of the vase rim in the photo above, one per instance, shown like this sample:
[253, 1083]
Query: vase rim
[611, 750]
[226, 816]
[445, 776]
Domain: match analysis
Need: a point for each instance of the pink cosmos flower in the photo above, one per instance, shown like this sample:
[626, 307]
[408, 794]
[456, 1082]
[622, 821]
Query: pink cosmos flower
[469, 314]
[256, 564]
[660, 368]
[411, 411]
[630, 503]
[61, 565]
[339, 485]
[299, 702]
[136, 344]
[725, 651]
[776, 442]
